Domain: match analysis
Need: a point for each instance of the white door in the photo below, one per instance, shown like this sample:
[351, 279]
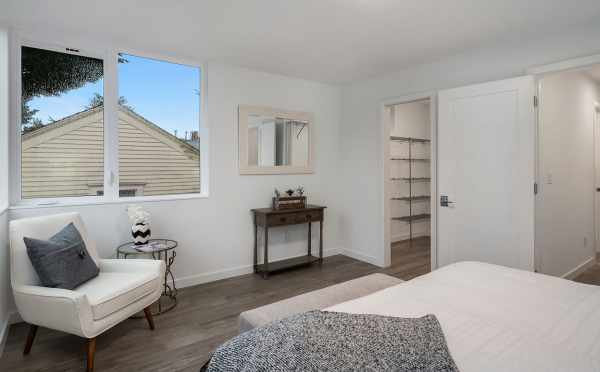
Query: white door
[486, 170]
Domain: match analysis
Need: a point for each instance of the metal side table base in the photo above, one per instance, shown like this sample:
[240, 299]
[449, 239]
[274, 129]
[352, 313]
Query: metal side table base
[165, 252]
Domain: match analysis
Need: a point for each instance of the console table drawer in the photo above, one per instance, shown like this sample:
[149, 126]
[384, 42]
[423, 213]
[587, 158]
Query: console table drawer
[282, 219]
[312, 216]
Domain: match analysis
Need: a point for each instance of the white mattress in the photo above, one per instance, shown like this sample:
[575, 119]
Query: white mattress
[500, 319]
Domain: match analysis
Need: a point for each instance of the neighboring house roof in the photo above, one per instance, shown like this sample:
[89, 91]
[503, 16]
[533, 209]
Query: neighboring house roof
[75, 118]
[66, 158]
[195, 143]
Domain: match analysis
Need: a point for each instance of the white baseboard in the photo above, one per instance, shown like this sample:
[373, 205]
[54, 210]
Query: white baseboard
[331, 252]
[11, 318]
[14, 317]
[361, 257]
[572, 274]
[192, 280]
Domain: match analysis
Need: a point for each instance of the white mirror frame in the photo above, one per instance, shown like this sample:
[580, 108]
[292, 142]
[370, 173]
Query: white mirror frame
[244, 111]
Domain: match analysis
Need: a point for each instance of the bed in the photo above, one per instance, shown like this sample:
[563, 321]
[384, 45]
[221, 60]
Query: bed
[500, 319]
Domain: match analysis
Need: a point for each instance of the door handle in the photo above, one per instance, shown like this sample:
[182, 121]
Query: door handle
[444, 202]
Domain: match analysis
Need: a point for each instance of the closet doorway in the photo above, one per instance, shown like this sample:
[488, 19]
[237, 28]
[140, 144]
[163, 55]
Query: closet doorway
[409, 165]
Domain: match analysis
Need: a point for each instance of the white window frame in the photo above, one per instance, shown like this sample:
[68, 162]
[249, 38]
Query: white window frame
[4, 118]
[111, 141]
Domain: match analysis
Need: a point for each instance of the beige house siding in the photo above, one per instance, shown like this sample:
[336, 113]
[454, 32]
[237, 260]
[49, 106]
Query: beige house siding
[66, 158]
[156, 159]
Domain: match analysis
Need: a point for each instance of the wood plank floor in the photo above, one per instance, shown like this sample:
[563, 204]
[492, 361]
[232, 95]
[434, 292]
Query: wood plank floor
[590, 276]
[205, 317]
[410, 259]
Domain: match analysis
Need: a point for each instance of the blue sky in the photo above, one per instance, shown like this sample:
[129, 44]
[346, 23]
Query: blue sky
[164, 93]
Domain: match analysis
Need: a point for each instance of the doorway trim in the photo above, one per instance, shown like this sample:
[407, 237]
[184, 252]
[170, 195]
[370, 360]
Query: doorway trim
[385, 173]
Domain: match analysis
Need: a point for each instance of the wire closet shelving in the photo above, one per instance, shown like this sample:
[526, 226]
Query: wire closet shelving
[410, 198]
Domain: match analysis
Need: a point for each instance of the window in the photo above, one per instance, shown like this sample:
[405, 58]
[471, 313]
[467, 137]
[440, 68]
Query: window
[159, 113]
[4, 121]
[70, 135]
[62, 124]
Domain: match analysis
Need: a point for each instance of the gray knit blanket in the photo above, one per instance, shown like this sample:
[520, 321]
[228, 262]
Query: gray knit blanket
[330, 341]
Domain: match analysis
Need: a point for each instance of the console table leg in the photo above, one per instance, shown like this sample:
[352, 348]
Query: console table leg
[266, 258]
[255, 262]
[321, 242]
[309, 238]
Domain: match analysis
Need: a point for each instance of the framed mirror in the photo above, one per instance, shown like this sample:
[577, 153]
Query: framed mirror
[272, 141]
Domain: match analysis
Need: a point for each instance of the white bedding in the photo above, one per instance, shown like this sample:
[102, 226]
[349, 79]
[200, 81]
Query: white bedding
[500, 319]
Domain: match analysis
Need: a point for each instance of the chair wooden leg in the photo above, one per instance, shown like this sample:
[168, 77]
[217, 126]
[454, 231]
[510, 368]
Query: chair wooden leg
[149, 317]
[91, 352]
[30, 337]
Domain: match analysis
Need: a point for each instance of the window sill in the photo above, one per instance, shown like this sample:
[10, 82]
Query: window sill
[67, 202]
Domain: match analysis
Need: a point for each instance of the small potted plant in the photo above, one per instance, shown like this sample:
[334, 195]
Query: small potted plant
[140, 224]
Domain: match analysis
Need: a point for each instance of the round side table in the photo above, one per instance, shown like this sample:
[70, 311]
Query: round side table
[160, 249]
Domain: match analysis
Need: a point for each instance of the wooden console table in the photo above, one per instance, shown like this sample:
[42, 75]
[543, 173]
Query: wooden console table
[268, 217]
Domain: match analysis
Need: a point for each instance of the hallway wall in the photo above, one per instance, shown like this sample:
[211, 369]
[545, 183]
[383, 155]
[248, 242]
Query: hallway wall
[565, 201]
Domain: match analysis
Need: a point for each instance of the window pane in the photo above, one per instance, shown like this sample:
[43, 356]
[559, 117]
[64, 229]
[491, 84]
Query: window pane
[122, 192]
[62, 129]
[159, 119]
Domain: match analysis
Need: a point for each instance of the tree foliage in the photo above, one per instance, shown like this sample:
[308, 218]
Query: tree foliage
[95, 101]
[98, 100]
[27, 113]
[49, 73]
[30, 122]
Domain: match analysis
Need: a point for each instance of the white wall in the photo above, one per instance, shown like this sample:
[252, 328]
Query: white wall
[361, 141]
[215, 234]
[565, 204]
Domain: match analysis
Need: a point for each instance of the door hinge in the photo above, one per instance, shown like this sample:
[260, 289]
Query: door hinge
[535, 188]
[535, 101]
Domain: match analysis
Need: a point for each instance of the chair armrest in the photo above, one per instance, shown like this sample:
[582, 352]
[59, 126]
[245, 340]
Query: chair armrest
[39, 291]
[132, 265]
[54, 308]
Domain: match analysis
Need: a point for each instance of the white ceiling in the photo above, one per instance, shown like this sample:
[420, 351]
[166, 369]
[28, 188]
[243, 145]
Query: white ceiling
[325, 40]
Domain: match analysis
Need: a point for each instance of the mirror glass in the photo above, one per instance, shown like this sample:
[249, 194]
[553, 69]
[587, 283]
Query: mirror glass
[275, 141]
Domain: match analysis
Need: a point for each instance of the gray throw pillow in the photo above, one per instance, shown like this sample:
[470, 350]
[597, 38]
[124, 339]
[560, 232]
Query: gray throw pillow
[61, 261]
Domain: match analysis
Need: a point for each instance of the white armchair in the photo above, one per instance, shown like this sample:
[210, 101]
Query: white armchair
[123, 287]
